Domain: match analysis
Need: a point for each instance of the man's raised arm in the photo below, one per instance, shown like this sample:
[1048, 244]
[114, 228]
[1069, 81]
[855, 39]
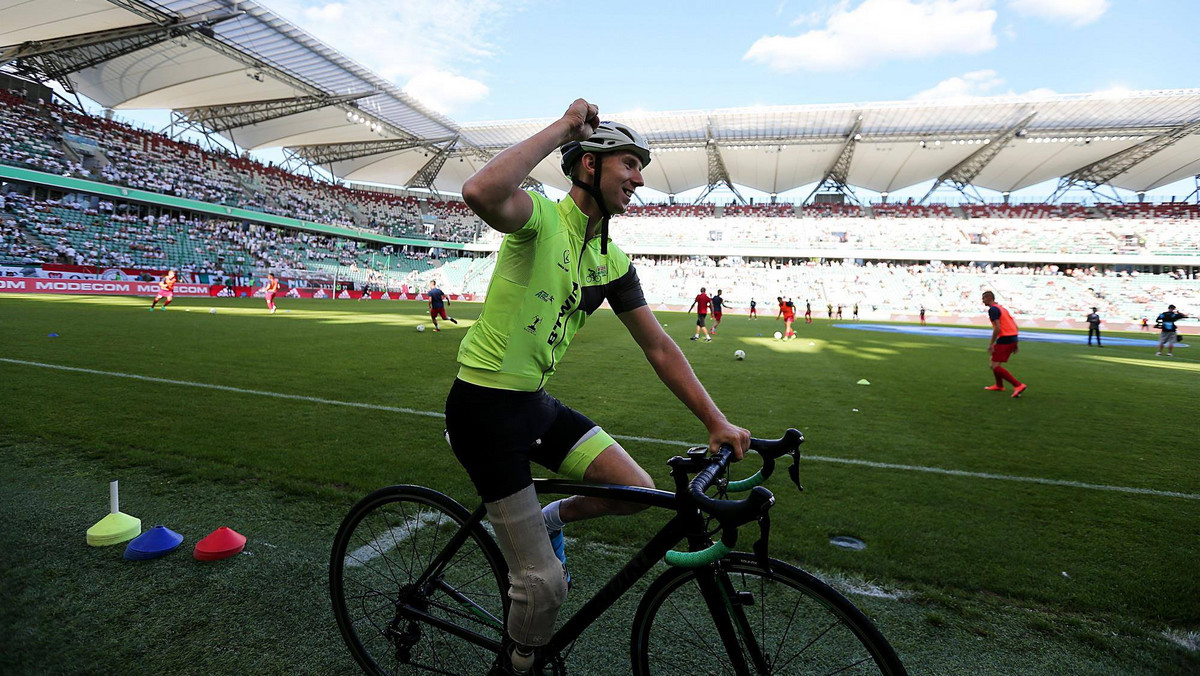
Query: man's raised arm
[494, 192]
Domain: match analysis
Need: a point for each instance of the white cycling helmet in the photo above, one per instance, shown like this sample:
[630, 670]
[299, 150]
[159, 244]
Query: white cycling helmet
[609, 136]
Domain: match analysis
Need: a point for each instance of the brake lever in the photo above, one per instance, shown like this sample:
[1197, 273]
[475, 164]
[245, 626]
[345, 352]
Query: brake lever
[794, 470]
[760, 547]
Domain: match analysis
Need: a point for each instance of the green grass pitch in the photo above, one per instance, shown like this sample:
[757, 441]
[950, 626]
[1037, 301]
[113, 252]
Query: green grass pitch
[1057, 533]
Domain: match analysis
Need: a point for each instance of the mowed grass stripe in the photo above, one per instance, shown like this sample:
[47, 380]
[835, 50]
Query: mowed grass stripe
[667, 442]
[1097, 422]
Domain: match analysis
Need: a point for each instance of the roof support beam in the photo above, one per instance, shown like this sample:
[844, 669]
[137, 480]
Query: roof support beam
[427, 175]
[531, 183]
[1102, 171]
[297, 164]
[962, 174]
[835, 176]
[227, 117]
[56, 59]
[717, 173]
[330, 153]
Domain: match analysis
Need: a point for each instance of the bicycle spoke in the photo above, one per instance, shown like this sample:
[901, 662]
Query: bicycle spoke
[378, 547]
[709, 648]
[673, 633]
[850, 666]
[382, 551]
[787, 630]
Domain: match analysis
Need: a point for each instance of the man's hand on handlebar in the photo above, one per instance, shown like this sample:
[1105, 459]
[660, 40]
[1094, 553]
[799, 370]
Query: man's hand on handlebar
[728, 433]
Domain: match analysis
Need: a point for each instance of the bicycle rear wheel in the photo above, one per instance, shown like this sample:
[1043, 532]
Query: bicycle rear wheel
[784, 621]
[391, 624]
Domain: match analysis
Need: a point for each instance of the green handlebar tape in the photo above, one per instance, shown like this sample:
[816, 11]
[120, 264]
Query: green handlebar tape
[745, 484]
[697, 559]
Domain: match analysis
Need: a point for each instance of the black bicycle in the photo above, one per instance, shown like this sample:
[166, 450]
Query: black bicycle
[419, 585]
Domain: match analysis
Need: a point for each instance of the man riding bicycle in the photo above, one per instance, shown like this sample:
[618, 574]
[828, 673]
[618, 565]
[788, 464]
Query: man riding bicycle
[555, 267]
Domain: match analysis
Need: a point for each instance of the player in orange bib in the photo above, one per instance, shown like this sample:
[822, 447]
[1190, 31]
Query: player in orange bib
[270, 290]
[1002, 345]
[166, 291]
[787, 310]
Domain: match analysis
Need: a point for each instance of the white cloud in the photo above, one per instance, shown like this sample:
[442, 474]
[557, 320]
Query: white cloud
[882, 30]
[1075, 12]
[443, 91]
[412, 43]
[331, 12]
[976, 84]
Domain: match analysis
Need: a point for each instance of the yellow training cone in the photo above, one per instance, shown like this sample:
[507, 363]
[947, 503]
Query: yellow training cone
[116, 527]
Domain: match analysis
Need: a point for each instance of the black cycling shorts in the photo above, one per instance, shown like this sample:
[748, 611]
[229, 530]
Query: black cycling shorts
[495, 434]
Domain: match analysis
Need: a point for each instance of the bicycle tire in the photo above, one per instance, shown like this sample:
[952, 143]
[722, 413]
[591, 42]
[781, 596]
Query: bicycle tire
[801, 625]
[383, 545]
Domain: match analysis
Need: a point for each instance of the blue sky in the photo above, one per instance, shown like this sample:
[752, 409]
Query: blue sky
[477, 60]
[484, 60]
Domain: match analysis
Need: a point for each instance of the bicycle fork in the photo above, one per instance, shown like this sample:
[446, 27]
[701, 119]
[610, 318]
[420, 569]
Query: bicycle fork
[727, 606]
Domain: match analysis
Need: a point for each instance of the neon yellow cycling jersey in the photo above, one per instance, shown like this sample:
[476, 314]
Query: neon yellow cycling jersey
[546, 283]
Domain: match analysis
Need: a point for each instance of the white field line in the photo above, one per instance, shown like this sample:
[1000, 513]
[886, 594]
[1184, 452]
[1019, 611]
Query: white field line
[225, 388]
[386, 541]
[1188, 640]
[648, 440]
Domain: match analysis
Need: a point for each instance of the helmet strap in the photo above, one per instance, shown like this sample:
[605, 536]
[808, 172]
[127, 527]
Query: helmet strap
[598, 197]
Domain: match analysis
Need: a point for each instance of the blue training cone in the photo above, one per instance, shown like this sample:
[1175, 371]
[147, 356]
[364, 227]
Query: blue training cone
[156, 542]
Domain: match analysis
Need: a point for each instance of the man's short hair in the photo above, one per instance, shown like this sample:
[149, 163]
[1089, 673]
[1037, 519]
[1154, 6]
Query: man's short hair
[989, 294]
[1170, 307]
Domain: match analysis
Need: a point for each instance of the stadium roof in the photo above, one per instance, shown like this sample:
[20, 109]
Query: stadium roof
[253, 55]
[891, 146]
[262, 82]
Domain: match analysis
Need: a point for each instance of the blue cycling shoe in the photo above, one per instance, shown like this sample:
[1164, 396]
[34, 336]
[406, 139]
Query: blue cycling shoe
[560, 550]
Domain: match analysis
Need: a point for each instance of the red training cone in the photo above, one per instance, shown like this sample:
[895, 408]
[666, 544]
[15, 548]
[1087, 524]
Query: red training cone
[222, 543]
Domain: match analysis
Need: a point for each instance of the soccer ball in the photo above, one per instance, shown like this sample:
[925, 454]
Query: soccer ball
[212, 310]
[420, 328]
[778, 335]
[739, 355]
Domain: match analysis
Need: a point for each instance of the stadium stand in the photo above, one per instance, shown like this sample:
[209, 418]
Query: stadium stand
[82, 229]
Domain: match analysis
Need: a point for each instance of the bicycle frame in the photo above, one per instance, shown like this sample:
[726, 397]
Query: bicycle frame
[683, 525]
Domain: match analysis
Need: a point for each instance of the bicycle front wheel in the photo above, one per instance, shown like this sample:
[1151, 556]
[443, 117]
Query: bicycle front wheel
[782, 621]
[406, 599]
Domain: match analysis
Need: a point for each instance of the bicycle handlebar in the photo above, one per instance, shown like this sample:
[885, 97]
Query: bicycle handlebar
[731, 514]
[769, 450]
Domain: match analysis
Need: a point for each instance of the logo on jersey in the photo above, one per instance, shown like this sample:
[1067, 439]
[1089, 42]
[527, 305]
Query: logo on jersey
[566, 308]
[596, 276]
[532, 328]
[545, 297]
[566, 261]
